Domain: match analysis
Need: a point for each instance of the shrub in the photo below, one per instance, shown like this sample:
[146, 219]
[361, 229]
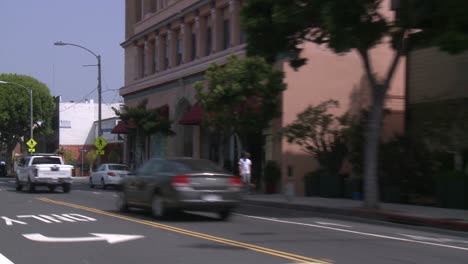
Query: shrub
[272, 172]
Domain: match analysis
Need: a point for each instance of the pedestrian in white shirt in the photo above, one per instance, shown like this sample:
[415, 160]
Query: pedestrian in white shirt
[245, 168]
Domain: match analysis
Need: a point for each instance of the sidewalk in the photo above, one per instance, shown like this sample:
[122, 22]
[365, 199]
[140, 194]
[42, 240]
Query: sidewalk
[443, 218]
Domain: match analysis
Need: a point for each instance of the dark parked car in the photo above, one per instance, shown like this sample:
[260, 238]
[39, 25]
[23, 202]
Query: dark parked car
[169, 185]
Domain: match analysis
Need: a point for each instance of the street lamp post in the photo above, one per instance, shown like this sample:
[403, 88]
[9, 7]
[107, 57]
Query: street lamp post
[98, 57]
[30, 105]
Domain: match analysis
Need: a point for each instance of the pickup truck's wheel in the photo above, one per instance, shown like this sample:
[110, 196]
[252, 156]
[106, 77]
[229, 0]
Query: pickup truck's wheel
[66, 187]
[52, 188]
[31, 186]
[91, 185]
[103, 184]
[19, 186]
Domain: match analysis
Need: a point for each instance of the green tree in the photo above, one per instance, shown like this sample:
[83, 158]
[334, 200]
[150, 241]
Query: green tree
[280, 26]
[240, 97]
[14, 109]
[91, 157]
[320, 134]
[147, 122]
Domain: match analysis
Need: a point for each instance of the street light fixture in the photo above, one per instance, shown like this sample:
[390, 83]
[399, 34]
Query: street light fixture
[30, 105]
[98, 57]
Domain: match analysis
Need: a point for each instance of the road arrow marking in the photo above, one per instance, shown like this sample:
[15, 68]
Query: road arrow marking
[4, 260]
[110, 238]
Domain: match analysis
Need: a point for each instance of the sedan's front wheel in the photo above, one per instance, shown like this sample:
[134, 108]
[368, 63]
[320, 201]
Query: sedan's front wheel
[157, 207]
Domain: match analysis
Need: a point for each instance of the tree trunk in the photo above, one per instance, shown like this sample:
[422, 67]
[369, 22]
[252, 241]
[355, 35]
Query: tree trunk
[9, 159]
[371, 156]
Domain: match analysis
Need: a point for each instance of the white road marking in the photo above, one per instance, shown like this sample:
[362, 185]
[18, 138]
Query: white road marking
[435, 239]
[332, 224]
[49, 219]
[356, 232]
[4, 260]
[302, 263]
[9, 221]
[96, 192]
[110, 238]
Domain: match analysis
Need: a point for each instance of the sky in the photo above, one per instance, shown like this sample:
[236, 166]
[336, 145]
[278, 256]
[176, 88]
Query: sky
[29, 28]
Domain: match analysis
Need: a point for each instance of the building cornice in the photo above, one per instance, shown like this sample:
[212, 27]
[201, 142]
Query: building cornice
[164, 22]
[187, 69]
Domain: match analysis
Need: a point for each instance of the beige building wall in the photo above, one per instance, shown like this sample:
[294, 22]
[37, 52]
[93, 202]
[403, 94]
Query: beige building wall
[340, 77]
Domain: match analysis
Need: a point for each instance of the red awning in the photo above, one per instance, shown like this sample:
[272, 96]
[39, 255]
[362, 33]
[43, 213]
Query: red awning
[193, 117]
[123, 127]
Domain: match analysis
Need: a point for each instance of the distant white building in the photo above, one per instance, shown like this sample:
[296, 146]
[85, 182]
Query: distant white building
[78, 122]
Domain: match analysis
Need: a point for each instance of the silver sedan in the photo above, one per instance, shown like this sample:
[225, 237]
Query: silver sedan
[169, 185]
[108, 174]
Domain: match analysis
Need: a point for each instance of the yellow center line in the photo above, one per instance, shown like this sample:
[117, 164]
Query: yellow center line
[281, 254]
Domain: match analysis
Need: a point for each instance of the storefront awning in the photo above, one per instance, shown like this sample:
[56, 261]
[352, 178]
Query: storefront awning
[193, 117]
[123, 127]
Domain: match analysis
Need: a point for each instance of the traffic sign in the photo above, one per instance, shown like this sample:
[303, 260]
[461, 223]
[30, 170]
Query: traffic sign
[100, 152]
[31, 150]
[31, 143]
[100, 143]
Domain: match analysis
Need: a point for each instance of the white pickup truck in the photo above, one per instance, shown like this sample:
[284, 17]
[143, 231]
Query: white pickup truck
[43, 170]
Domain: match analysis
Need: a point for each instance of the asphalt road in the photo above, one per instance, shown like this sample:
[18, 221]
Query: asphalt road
[84, 227]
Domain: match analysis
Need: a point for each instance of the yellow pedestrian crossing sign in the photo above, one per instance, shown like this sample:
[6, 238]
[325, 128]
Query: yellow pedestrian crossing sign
[31, 143]
[100, 152]
[100, 143]
[31, 150]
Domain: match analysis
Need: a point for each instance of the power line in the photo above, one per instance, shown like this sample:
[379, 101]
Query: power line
[83, 99]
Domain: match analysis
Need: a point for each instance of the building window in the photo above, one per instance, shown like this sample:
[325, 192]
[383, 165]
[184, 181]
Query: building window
[142, 61]
[193, 45]
[166, 53]
[138, 7]
[154, 59]
[179, 48]
[226, 33]
[142, 10]
[208, 41]
[155, 6]
[65, 124]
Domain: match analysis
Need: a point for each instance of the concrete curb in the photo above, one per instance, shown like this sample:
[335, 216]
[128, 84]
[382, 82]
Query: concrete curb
[379, 215]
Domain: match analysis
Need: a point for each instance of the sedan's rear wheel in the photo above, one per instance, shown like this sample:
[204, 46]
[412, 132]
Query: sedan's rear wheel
[122, 204]
[225, 214]
[103, 184]
[157, 207]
